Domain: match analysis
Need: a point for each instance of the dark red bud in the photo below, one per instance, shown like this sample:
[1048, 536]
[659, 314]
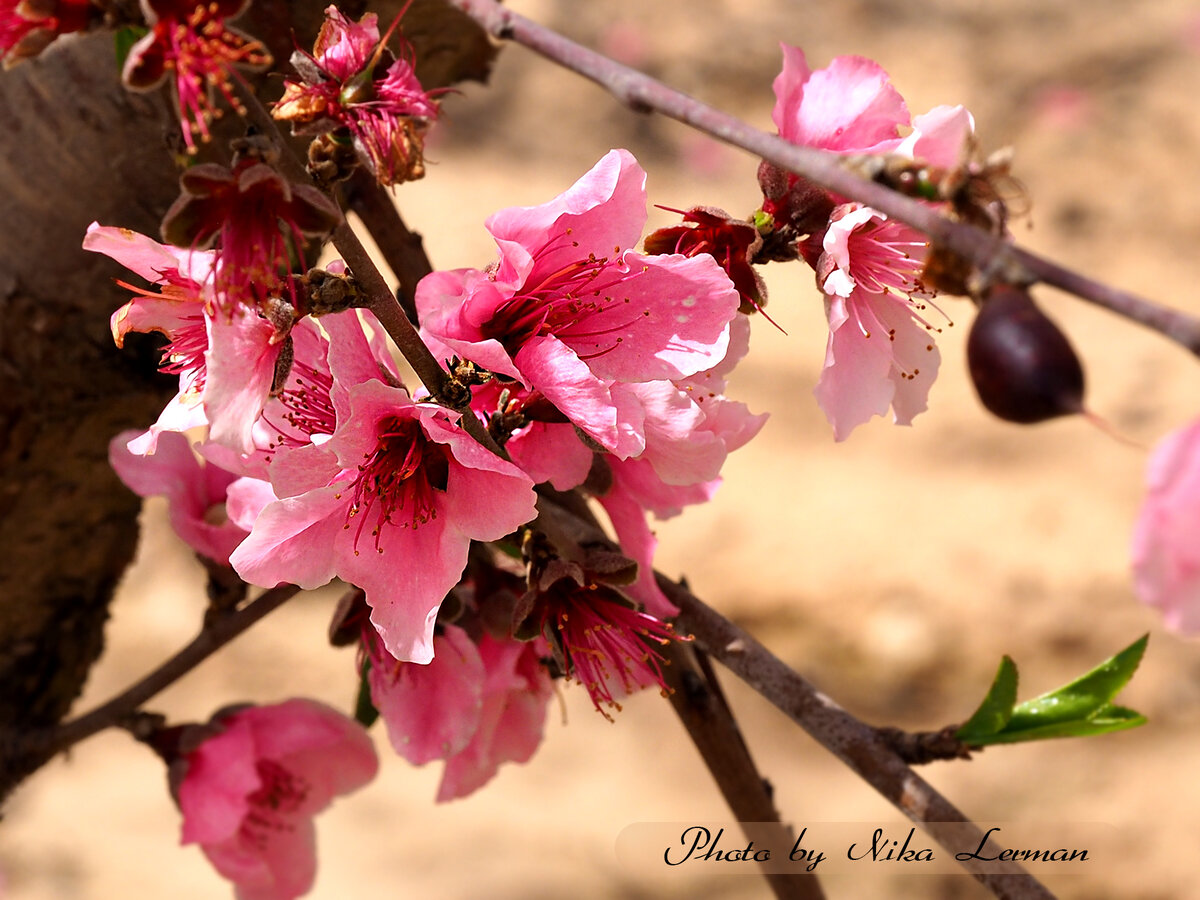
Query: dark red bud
[1022, 365]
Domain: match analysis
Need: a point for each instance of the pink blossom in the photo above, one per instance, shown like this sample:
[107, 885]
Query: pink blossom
[431, 711]
[195, 491]
[1166, 553]
[569, 312]
[516, 690]
[190, 41]
[28, 28]
[880, 352]
[225, 363]
[248, 794]
[390, 503]
[474, 706]
[848, 107]
[386, 115]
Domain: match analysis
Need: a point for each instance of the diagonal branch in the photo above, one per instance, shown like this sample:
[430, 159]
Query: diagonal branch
[216, 633]
[698, 701]
[853, 742]
[991, 255]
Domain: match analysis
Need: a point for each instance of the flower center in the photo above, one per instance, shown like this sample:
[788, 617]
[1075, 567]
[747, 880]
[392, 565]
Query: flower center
[398, 482]
[566, 304]
[273, 805]
[607, 646]
[201, 50]
[308, 408]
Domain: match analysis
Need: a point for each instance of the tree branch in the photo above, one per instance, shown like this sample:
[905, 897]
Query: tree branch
[216, 633]
[697, 699]
[856, 744]
[993, 256]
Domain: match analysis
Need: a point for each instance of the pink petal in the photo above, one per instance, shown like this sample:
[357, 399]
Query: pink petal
[638, 543]
[940, 136]
[245, 499]
[331, 752]
[849, 106]
[293, 541]
[855, 383]
[675, 324]
[432, 711]
[240, 363]
[1166, 554]
[603, 212]
[551, 452]
[514, 710]
[183, 413]
[144, 255]
[220, 776]
[567, 382]
[406, 581]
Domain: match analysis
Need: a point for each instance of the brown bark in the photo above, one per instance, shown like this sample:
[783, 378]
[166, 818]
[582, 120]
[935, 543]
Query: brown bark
[77, 147]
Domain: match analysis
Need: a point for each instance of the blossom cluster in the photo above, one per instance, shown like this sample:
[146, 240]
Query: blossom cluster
[881, 352]
[295, 453]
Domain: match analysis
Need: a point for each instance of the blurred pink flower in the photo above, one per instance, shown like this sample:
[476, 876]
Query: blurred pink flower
[248, 794]
[195, 491]
[1166, 549]
[190, 42]
[28, 28]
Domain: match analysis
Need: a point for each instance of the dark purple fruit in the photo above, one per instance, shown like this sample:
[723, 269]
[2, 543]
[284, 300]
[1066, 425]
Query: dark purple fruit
[1023, 368]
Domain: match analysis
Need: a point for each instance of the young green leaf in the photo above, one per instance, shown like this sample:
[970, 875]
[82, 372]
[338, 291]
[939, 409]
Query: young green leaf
[997, 707]
[1109, 718]
[1081, 708]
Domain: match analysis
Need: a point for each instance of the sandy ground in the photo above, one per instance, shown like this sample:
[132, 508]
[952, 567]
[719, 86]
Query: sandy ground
[893, 570]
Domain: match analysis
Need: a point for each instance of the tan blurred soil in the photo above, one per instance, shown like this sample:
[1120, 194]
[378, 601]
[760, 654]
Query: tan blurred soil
[893, 570]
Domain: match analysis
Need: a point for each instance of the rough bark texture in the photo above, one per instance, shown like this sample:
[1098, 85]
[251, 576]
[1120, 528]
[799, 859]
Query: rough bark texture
[77, 147]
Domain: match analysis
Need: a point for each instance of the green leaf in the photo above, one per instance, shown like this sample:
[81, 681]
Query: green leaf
[365, 712]
[1082, 708]
[1109, 718]
[125, 38]
[1084, 697]
[997, 707]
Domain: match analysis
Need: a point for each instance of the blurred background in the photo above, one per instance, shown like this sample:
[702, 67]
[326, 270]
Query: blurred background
[892, 570]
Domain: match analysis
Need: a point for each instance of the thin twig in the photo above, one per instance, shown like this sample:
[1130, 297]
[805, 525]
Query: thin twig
[214, 636]
[697, 700]
[988, 253]
[380, 298]
[856, 744]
